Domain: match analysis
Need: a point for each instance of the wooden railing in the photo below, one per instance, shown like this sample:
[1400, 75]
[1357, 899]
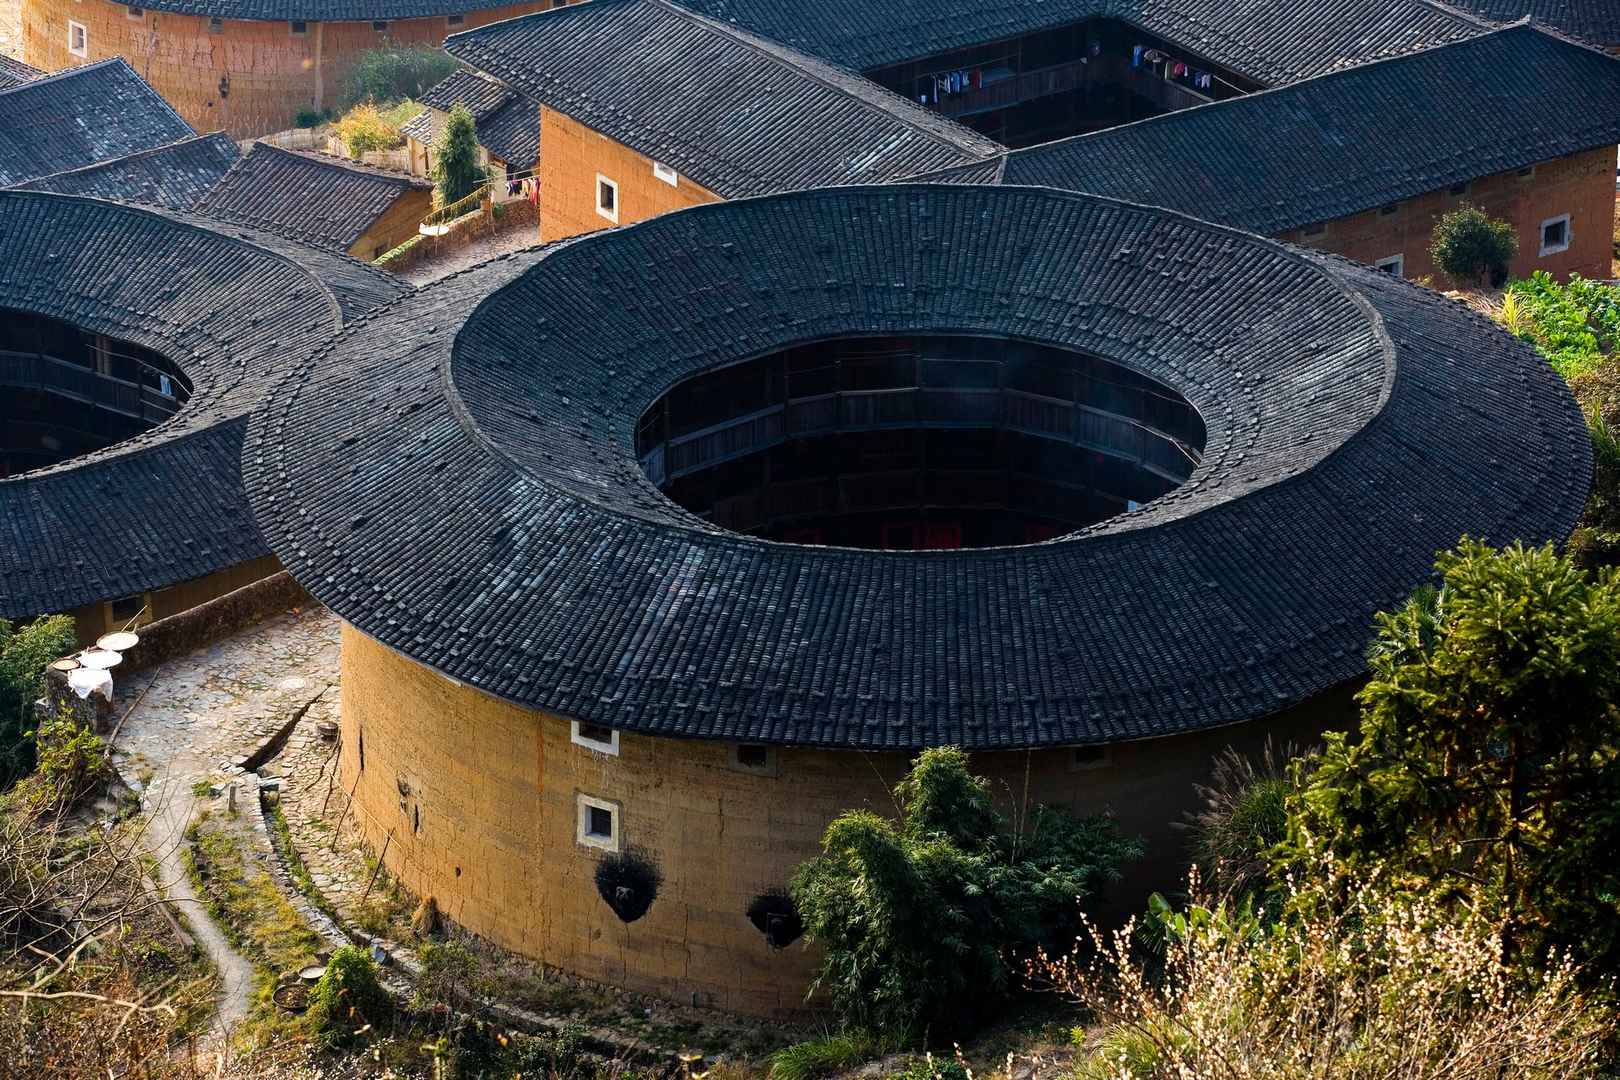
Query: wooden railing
[34, 371]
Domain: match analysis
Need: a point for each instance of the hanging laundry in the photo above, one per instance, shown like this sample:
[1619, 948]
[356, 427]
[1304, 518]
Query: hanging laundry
[978, 78]
[1136, 57]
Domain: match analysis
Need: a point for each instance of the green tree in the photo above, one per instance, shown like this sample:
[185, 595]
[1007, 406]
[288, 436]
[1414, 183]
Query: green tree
[917, 917]
[393, 72]
[456, 172]
[24, 653]
[1487, 766]
[1472, 248]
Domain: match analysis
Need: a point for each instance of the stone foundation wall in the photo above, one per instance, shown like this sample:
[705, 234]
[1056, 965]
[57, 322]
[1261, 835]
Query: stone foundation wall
[477, 803]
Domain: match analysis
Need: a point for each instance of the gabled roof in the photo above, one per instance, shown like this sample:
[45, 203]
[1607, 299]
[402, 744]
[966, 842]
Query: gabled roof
[458, 478]
[79, 117]
[1349, 141]
[226, 304]
[508, 123]
[737, 114]
[13, 72]
[1270, 41]
[175, 176]
[318, 199]
[1597, 21]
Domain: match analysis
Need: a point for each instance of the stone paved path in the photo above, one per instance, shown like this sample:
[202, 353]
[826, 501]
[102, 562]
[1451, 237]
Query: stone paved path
[201, 713]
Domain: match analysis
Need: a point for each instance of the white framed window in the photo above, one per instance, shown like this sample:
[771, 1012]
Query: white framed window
[1554, 235]
[597, 823]
[1086, 758]
[78, 39]
[604, 740]
[666, 174]
[607, 198]
[1395, 265]
[754, 758]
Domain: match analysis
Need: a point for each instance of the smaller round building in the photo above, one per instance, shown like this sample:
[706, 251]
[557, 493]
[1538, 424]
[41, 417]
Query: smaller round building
[658, 549]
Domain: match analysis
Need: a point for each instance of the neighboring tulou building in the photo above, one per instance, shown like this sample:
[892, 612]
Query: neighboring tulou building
[601, 691]
[1323, 123]
[247, 67]
[134, 343]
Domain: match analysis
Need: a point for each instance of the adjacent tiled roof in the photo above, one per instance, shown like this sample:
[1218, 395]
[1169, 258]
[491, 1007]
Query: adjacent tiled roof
[79, 117]
[1597, 21]
[1347, 142]
[737, 114]
[14, 71]
[318, 199]
[1271, 41]
[175, 176]
[457, 478]
[508, 124]
[167, 505]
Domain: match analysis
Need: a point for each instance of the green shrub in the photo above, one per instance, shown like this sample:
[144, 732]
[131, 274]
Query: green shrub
[917, 919]
[456, 172]
[1472, 248]
[929, 1067]
[393, 72]
[347, 998]
[821, 1057]
[1574, 325]
[1486, 770]
[558, 1054]
[367, 127]
[308, 118]
[1243, 816]
[25, 652]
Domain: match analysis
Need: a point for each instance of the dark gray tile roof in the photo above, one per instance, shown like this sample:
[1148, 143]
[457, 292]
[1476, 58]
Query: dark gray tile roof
[79, 117]
[737, 114]
[167, 505]
[318, 199]
[457, 478]
[13, 72]
[508, 123]
[1271, 41]
[1347, 142]
[175, 176]
[1596, 21]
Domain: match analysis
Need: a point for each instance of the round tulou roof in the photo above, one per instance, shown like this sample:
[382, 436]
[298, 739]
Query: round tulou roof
[458, 477]
[226, 305]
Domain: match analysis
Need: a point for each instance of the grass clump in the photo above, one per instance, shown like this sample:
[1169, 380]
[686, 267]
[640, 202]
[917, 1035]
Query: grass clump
[348, 1000]
[369, 126]
[821, 1057]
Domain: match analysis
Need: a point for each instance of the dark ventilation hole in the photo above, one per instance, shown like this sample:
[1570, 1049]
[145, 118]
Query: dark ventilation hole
[362, 751]
[773, 914]
[628, 882]
[416, 819]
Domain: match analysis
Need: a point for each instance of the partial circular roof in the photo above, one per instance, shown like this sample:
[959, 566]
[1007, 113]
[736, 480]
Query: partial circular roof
[458, 477]
[226, 304]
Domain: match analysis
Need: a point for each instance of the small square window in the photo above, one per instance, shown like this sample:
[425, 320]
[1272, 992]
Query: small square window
[1317, 229]
[78, 39]
[455, 20]
[1388, 209]
[134, 12]
[666, 174]
[754, 758]
[598, 737]
[1395, 265]
[1459, 189]
[297, 27]
[1554, 235]
[216, 25]
[598, 823]
[607, 198]
[380, 25]
[1085, 758]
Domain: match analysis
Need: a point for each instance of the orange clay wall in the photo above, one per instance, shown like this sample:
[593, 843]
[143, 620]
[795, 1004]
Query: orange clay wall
[1581, 185]
[93, 620]
[397, 224]
[249, 79]
[476, 803]
[571, 157]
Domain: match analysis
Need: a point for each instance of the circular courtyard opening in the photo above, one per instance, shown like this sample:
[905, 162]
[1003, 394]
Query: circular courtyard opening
[920, 442]
[67, 391]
